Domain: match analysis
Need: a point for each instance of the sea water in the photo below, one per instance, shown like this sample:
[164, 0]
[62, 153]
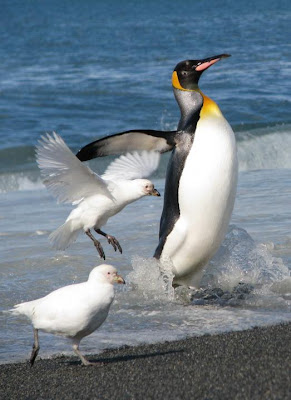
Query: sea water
[87, 70]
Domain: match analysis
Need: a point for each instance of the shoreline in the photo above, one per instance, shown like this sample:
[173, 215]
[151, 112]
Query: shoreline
[250, 364]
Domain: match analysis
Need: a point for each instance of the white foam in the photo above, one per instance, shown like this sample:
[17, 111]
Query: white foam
[268, 151]
[19, 182]
[240, 259]
[148, 279]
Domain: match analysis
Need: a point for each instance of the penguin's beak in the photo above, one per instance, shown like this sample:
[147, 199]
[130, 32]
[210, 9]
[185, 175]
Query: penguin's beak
[207, 62]
[155, 193]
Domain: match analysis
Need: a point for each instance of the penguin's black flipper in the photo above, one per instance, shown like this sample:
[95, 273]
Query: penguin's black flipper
[133, 140]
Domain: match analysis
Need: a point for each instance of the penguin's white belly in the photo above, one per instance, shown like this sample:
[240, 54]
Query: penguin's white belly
[206, 198]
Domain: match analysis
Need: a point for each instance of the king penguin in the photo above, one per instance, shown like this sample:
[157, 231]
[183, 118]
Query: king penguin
[201, 177]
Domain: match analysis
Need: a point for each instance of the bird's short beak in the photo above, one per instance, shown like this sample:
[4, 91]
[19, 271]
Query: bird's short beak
[207, 62]
[154, 193]
[119, 279]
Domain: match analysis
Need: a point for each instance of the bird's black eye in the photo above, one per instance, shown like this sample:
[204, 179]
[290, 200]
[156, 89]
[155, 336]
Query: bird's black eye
[184, 73]
[108, 273]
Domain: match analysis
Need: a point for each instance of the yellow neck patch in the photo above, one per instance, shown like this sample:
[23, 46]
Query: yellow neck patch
[209, 107]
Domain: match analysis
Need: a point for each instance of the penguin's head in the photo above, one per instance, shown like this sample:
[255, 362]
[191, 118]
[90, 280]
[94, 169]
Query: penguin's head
[187, 73]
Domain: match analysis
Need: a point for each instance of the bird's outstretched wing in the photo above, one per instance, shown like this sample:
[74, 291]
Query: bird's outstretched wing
[63, 174]
[133, 166]
[134, 140]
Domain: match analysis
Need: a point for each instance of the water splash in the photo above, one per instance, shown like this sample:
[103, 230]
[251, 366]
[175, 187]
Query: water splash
[242, 273]
[241, 261]
[150, 279]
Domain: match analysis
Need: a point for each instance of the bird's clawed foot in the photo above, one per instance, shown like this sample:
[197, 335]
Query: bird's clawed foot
[99, 249]
[84, 360]
[111, 240]
[114, 242]
[86, 363]
[96, 244]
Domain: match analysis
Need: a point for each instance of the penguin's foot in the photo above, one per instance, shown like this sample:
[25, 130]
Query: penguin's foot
[217, 296]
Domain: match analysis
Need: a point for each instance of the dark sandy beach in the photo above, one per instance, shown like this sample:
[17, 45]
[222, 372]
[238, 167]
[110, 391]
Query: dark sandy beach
[252, 364]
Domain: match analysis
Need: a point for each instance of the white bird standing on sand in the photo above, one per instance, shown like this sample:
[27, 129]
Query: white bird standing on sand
[97, 198]
[73, 311]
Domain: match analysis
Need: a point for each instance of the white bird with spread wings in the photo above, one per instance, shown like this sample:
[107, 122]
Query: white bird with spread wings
[97, 197]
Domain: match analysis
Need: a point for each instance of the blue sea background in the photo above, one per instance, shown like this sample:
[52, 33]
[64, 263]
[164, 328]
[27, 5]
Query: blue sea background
[86, 69]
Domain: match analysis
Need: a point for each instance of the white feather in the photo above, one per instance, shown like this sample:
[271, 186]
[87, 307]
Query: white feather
[63, 174]
[133, 165]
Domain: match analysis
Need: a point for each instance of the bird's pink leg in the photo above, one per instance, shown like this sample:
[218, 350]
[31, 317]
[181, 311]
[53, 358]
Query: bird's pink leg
[80, 355]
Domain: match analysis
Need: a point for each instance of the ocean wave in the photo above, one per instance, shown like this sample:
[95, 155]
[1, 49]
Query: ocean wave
[265, 151]
[20, 181]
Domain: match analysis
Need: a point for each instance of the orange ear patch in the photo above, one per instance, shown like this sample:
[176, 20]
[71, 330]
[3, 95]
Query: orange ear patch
[176, 82]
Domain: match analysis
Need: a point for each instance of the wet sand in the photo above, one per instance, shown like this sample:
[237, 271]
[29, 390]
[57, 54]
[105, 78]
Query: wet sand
[252, 364]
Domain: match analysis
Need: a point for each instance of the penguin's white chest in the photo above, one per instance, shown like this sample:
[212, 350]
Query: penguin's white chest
[206, 197]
